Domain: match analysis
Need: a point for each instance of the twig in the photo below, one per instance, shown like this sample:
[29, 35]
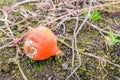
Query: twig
[88, 54]
[73, 53]
[98, 28]
[53, 4]
[68, 14]
[22, 2]
[4, 32]
[79, 10]
[16, 61]
[75, 40]
[21, 71]
[5, 20]
[5, 45]
[18, 40]
[86, 18]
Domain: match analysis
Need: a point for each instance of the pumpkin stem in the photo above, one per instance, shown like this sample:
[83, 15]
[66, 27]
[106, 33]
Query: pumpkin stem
[59, 53]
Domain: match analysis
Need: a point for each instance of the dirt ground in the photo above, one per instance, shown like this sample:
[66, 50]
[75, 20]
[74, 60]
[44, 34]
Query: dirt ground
[98, 60]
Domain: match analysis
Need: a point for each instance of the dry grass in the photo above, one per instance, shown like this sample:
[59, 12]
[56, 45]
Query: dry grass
[55, 13]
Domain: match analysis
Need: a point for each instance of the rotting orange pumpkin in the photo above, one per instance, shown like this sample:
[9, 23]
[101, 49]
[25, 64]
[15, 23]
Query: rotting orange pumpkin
[40, 44]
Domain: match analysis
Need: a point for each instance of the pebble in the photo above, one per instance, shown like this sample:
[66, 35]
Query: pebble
[65, 66]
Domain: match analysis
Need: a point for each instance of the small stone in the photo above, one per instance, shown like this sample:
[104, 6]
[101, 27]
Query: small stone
[65, 66]
[49, 78]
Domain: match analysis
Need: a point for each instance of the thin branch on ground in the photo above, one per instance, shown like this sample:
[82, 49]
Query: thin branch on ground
[5, 45]
[75, 39]
[88, 54]
[79, 11]
[99, 29]
[16, 61]
[23, 2]
[63, 17]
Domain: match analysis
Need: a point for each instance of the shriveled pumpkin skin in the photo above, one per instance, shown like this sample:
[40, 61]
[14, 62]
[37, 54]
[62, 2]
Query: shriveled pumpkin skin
[43, 41]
